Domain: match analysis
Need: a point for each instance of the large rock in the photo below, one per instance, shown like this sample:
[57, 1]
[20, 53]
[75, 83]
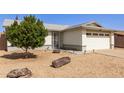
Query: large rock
[20, 73]
[61, 61]
[56, 51]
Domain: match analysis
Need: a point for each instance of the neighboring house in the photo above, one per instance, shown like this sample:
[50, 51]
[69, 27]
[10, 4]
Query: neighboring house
[83, 37]
[119, 39]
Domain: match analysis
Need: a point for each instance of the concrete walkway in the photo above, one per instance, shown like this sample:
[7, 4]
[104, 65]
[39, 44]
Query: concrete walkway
[119, 52]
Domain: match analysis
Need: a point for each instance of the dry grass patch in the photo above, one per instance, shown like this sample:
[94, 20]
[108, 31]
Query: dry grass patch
[89, 65]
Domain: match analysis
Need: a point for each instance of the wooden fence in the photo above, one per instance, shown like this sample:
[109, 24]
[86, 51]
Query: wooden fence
[119, 40]
[3, 42]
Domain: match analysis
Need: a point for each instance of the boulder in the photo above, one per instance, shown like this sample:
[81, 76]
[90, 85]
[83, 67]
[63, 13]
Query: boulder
[56, 51]
[20, 73]
[61, 61]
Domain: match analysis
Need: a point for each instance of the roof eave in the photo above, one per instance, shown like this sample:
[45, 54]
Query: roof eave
[98, 29]
[79, 27]
[54, 30]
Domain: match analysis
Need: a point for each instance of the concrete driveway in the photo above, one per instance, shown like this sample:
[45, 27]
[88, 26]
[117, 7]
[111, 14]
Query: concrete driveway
[117, 52]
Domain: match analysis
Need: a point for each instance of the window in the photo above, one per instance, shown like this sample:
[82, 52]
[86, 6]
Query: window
[106, 34]
[101, 34]
[95, 34]
[88, 34]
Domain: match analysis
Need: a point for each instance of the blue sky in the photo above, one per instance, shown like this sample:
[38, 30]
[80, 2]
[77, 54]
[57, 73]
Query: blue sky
[113, 21]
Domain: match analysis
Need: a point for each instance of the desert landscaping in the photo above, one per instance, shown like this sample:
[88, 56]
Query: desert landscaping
[81, 65]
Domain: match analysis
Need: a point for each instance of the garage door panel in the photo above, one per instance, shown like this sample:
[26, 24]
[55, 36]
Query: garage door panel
[98, 43]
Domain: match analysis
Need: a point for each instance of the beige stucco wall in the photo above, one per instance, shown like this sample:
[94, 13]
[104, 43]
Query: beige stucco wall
[48, 39]
[112, 41]
[72, 39]
[8, 43]
[84, 43]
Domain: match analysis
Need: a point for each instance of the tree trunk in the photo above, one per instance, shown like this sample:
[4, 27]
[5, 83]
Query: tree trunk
[26, 50]
[26, 53]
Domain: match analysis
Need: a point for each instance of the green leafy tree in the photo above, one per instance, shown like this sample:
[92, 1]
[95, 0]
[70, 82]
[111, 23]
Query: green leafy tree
[28, 34]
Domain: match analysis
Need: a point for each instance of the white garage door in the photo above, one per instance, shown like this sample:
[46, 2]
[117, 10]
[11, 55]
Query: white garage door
[97, 42]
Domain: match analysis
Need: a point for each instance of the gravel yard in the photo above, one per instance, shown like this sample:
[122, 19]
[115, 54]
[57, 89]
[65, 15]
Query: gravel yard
[89, 65]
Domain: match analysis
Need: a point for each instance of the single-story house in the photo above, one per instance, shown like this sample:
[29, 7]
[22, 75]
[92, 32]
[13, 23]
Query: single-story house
[82, 37]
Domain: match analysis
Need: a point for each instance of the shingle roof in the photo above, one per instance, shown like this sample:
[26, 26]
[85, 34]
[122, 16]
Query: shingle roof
[55, 27]
[50, 27]
[92, 25]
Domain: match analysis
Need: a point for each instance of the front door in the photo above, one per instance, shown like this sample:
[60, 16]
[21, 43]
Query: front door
[55, 40]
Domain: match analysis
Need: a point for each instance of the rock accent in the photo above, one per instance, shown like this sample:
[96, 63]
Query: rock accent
[61, 62]
[20, 73]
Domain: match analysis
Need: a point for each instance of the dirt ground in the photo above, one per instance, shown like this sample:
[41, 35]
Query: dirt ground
[88, 65]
